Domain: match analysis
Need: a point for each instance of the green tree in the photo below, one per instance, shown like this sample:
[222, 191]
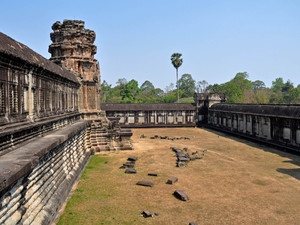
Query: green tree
[177, 62]
[235, 88]
[130, 91]
[277, 85]
[287, 86]
[294, 96]
[214, 88]
[106, 91]
[171, 97]
[187, 85]
[201, 86]
[258, 84]
[121, 83]
[147, 86]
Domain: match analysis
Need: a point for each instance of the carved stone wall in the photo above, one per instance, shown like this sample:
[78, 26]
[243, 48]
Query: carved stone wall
[73, 48]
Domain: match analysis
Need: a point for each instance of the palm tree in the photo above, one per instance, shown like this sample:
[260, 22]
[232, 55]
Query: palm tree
[176, 61]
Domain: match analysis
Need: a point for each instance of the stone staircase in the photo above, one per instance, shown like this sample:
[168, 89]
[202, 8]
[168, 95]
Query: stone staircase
[106, 135]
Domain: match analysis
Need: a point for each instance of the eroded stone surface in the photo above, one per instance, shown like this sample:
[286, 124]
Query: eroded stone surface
[172, 180]
[130, 171]
[181, 195]
[132, 158]
[145, 183]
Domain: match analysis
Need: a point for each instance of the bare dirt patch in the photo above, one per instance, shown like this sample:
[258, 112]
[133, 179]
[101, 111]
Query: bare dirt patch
[236, 182]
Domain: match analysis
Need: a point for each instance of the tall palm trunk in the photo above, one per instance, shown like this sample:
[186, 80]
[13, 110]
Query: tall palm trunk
[177, 85]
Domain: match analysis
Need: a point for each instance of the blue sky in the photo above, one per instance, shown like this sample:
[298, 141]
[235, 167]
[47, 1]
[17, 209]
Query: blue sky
[136, 38]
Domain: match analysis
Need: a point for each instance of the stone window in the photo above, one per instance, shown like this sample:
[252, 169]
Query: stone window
[34, 99]
[179, 119]
[170, 119]
[160, 119]
[47, 99]
[298, 136]
[62, 101]
[53, 101]
[13, 98]
[190, 119]
[25, 103]
[42, 101]
[2, 98]
[131, 119]
[286, 133]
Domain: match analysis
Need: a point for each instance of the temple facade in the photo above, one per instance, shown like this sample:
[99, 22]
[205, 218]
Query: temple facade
[51, 121]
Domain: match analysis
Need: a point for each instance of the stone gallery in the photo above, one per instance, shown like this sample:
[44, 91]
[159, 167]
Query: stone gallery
[51, 121]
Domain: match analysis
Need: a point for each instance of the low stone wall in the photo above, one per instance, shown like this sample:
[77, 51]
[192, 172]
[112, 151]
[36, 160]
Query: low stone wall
[13, 136]
[36, 178]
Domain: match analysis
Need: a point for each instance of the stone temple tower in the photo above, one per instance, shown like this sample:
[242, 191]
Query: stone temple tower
[73, 48]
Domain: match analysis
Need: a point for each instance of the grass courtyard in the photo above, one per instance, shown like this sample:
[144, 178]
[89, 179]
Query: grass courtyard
[236, 182]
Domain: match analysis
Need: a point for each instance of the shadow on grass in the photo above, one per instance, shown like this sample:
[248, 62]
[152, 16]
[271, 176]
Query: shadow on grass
[294, 157]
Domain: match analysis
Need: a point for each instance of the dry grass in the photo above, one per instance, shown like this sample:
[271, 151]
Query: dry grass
[237, 182]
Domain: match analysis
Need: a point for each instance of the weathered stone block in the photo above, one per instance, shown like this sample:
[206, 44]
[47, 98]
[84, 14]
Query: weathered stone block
[153, 174]
[181, 195]
[172, 180]
[130, 171]
[132, 158]
[145, 183]
[183, 159]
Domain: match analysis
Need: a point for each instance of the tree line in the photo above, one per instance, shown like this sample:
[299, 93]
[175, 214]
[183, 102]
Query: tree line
[238, 90]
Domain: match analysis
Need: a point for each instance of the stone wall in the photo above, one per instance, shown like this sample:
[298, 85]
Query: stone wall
[278, 125]
[36, 179]
[152, 115]
[32, 87]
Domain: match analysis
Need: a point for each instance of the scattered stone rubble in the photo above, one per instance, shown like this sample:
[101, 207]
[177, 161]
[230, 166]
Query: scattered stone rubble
[166, 137]
[129, 165]
[183, 156]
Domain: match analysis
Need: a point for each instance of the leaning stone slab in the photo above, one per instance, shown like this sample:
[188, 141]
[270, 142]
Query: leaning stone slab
[145, 183]
[130, 170]
[183, 159]
[176, 149]
[172, 180]
[153, 174]
[132, 158]
[180, 154]
[181, 195]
